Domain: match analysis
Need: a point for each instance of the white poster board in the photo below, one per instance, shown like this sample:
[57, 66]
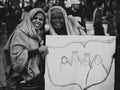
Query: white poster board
[80, 63]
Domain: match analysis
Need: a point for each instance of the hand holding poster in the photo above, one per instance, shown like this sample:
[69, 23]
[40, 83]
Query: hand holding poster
[80, 63]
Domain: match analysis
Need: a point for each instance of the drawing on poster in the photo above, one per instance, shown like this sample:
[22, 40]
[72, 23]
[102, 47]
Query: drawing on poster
[82, 64]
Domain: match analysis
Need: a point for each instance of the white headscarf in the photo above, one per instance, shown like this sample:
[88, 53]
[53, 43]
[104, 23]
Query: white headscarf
[18, 45]
[71, 23]
[26, 25]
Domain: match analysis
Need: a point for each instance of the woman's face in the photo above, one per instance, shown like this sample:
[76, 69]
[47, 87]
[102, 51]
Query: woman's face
[57, 20]
[38, 21]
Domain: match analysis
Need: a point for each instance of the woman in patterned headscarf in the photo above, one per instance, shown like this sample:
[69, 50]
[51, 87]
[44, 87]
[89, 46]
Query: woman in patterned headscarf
[25, 65]
[61, 24]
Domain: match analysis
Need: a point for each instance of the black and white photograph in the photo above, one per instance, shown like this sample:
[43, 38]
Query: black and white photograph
[59, 44]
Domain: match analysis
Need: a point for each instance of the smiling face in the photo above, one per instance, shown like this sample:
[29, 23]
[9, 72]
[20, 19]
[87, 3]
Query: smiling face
[38, 21]
[57, 19]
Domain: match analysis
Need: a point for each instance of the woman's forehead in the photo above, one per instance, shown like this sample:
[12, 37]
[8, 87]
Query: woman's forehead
[55, 10]
[33, 12]
[39, 13]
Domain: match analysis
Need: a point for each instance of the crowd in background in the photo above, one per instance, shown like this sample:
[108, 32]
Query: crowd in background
[81, 8]
[10, 16]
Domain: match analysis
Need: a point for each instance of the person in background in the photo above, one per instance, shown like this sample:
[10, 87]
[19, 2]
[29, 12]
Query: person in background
[25, 10]
[24, 53]
[61, 24]
[77, 9]
[2, 14]
[117, 16]
[98, 19]
[111, 23]
[12, 20]
[2, 19]
[116, 6]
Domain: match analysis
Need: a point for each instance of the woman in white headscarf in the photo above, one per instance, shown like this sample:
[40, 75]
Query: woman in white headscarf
[61, 24]
[24, 66]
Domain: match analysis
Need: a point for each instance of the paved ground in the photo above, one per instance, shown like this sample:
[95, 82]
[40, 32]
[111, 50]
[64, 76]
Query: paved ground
[3, 39]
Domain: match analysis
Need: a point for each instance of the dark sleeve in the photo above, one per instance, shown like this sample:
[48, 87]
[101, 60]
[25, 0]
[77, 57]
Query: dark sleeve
[32, 53]
[47, 32]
